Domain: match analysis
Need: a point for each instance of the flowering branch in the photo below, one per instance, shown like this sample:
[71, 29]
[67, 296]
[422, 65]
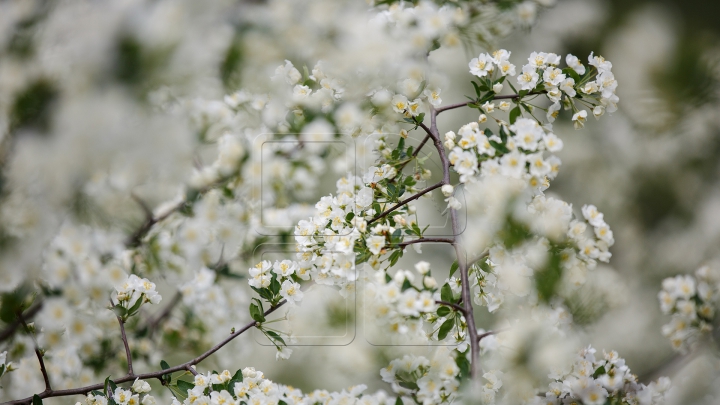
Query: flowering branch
[505, 97]
[146, 376]
[462, 265]
[405, 201]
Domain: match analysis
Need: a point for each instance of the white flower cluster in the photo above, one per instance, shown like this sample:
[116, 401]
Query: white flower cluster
[264, 273]
[594, 381]
[511, 270]
[479, 152]
[125, 397]
[692, 301]
[432, 382]
[134, 292]
[595, 87]
[249, 386]
[400, 308]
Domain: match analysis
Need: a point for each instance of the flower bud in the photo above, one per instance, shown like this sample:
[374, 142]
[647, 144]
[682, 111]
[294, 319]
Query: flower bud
[429, 282]
[450, 135]
[598, 111]
[449, 143]
[482, 119]
[447, 190]
[422, 267]
[497, 88]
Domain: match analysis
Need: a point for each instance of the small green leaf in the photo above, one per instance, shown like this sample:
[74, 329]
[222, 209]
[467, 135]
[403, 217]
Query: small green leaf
[276, 337]
[445, 329]
[406, 285]
[443, 311]
[600, 371]
[238, 377]
[398, 401]
[36, 400]
[164, 365]
[184, 385]
[446, 293]
[477, 89]
[514, 114]
[119, 311]
[409, 385]
[256, 314]
[177, 392]
[453, 268]
[133, 310]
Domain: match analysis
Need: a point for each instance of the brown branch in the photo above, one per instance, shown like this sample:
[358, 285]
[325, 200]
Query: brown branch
[405, 201]
[505, 97]
[450, 304]
[39, 353]
[9, 331]
[423, 240]
[490, 333]
[462, 265]
[153, 323]
[128, 355]
[191, 370]
[145, 376]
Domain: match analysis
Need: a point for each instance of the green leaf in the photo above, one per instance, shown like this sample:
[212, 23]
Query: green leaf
[119, 311]
[133, 310]
[177, 392]
[164, 365]
[36, 400]
[443, 311]
[572, 73]
[464, 366]
[184, 385]
[396, 236]
[256, 314]
[276, 337]
[446, 293]
[514, 114]
[445, 329]
[477, 89]
[398, 401]
[274, 285]
[453, 268]
[409, 150]
[409, 385]
[600, 371]
[349, 217]
[406, 285]
[238, 377]
[395, 256]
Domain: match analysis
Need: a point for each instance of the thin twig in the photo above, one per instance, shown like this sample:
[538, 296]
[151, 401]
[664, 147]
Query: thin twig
[490, 333]
[39, 353]
[128, 355]
[505, 97]
[9, 331]
[153, 324]
[423, 240]
[146, 376]
[405, 201]
[450, 304]
[191, 370]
